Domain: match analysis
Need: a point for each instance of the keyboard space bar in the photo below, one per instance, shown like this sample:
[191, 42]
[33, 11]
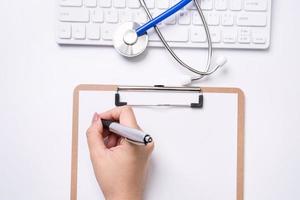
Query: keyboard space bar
[171, 33]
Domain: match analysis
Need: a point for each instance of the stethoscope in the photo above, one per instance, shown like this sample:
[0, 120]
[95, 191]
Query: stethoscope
[130, 40]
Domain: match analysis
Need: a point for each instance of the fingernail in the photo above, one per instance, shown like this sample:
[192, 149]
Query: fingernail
[95, 117]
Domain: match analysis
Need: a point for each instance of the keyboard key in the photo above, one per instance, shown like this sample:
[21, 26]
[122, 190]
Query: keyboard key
[140, 17]
[252, 19]
[71, 3]
[229, 36]
[206, 4]
[198, 35]
[111, 16]
[212, 18]
[150, 3]
[133, 4]
[184, 18]
[119, 4]
[64, 31]
[78, 31]
[125, 16]
[256, 5]
[227, 19]
[74, 15]
[196, 18]
[93, 31]
[215, 35]
[221, 4]
[235, 4]
[259, 37]
[244, 35]
[107, 31]
[91, 3]
[162, 4]
[97, 15]
[105, 3]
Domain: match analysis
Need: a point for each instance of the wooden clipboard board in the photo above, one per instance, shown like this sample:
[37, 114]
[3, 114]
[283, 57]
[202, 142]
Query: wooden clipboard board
[240, 132]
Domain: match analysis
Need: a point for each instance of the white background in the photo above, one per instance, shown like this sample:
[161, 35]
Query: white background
[37, 78]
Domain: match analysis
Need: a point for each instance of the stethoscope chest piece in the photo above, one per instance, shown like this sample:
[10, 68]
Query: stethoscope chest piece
[127, 42]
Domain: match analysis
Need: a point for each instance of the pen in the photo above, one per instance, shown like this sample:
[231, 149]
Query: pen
[131, 134]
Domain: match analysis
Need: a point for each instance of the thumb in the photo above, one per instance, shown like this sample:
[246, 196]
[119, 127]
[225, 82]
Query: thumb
[94, 135]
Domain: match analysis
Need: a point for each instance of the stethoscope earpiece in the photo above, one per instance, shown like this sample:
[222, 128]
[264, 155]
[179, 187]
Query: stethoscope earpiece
[184, 80]
[221, 61]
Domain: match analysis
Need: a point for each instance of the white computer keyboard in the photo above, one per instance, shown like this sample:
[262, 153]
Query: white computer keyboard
[242, 24]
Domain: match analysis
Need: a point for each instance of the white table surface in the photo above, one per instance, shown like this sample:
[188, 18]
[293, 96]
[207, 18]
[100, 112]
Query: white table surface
[37, 79]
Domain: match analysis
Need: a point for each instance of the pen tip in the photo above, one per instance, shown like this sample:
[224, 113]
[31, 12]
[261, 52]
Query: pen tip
[148, 139]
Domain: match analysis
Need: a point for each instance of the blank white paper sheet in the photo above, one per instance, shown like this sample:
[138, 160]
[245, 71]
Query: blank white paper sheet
[195, 155]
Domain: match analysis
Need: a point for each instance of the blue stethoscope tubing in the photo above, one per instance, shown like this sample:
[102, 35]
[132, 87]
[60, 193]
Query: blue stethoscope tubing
[150, 24]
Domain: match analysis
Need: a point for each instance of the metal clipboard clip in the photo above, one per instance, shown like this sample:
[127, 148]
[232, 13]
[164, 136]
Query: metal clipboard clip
[158, 88]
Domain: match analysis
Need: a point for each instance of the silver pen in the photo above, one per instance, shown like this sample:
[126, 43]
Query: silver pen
[131, 134]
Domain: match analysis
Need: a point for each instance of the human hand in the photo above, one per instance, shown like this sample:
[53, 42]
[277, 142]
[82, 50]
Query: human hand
[120, 167]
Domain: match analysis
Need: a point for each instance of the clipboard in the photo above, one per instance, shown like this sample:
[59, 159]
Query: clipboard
[117, 97]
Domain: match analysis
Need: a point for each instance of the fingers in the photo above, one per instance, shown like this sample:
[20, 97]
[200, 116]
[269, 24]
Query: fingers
[94, 135]
[123, 114]
[112, 140]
